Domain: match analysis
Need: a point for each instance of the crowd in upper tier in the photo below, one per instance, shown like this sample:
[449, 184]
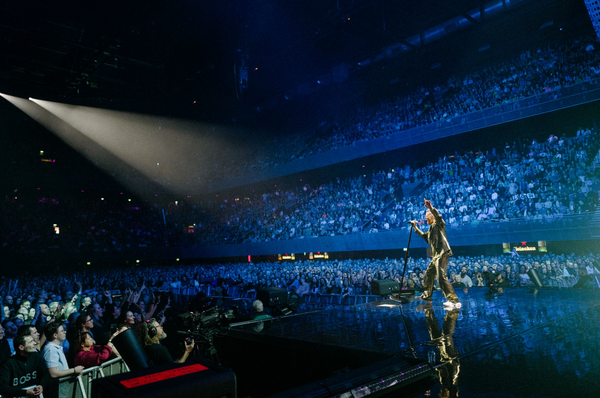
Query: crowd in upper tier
[539, 180]
[543, 70]
[536, 71]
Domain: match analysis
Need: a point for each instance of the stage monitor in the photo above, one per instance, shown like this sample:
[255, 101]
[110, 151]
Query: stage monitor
[272, 296]
[195, 378]
[383, 287]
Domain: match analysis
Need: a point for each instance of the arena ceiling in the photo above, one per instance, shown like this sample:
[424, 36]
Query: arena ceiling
[188, 54]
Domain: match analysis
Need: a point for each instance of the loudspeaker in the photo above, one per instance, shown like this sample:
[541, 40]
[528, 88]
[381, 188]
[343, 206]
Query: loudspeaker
[535, 277]
[129, 346]
[195, 378]
[272, 296]
[384, 286]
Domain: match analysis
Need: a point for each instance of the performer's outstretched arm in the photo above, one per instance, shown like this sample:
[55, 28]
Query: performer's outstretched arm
[436, 214]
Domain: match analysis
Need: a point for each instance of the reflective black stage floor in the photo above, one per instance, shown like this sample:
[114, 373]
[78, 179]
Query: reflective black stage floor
[518, 343]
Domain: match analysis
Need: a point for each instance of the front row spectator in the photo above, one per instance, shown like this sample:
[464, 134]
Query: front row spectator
[55, 357]
[4, 347]
[89, 354]
[10, 332]
[152, 334]
[33, 332]
[25, 373]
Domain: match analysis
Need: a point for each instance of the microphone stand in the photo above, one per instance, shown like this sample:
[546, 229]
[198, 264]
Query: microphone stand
[407, 291]
[401, 295]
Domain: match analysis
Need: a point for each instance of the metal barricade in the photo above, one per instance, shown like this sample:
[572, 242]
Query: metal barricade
[113, 367]
[77, 387]
[348, 300]
[81, 386]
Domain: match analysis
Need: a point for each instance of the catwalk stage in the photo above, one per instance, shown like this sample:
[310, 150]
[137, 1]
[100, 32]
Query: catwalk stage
[515, 343]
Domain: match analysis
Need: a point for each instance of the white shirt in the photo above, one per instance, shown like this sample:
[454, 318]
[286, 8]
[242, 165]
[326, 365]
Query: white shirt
[54, 356]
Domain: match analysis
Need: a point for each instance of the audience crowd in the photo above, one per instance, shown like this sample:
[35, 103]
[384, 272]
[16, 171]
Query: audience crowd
[542, 180]
[534, 72]
[34, 223]
[538, 71]
[122, 298]
[59, 325]
[535, 181]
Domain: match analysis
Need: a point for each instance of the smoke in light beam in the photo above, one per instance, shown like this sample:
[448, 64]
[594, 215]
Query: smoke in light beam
[179, 155]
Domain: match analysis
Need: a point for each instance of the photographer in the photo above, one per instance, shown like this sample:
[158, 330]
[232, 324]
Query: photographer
[152, 336]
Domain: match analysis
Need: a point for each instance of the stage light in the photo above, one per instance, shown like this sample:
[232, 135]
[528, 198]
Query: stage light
[106, 137]
[387, 305]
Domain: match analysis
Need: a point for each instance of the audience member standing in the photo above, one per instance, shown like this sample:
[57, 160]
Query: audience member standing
[54, 356]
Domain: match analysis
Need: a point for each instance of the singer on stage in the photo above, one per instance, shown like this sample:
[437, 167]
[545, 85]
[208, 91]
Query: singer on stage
[441, 251]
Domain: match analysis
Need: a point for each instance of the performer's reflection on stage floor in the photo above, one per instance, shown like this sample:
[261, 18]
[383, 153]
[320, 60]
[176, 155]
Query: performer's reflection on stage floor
[449, 365]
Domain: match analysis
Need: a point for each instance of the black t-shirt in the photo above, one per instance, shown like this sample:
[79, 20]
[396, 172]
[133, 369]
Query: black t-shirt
[17, 373]
[4, 350]
[158, 354]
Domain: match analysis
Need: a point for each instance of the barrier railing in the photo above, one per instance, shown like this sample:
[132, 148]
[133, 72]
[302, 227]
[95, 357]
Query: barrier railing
[313, 300]
[81, 385]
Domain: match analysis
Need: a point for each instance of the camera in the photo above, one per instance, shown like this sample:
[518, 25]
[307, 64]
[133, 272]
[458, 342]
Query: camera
[198, 325]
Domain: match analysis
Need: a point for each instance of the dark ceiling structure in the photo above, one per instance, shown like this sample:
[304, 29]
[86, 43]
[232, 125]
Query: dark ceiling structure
[197, 58]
